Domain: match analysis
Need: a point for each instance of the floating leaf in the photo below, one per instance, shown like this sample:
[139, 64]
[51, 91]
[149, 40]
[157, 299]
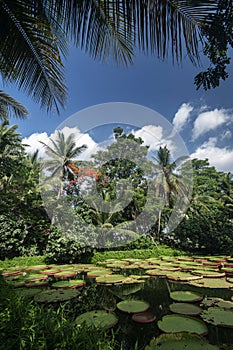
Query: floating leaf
[185, 296]
[133, 306]
[180, 323]
[185, 309]
[55, 295]
[110, 279]
[69, 284]
[97, 318]
[143, 317]
[218, 316]
[180, 341]
[218, 302]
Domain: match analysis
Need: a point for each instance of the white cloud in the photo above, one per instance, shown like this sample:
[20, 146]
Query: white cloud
[221, 158]
[209, 120]
[153, 137]
[33, 143]
[182, 115]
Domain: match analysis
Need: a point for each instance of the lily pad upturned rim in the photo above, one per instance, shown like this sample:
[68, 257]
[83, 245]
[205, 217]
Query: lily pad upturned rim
[144, 317]
[110, 279]
[185, 296]
[180, 323]
[180, 341]
[133, 306]
[101, 319]
[188, 309]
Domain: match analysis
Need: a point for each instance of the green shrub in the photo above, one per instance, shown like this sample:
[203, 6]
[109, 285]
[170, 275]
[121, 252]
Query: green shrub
[12, 237]
[22, 261]
[160, 250]
[62, 249]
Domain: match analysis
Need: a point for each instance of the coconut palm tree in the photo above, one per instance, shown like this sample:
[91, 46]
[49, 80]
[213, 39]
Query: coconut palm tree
[60, 152]
[34, 35]
[168, 183]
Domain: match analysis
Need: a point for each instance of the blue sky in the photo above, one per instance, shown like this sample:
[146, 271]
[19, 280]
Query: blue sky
[204, 119]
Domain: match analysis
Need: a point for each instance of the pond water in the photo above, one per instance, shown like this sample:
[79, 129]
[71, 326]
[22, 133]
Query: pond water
[156, 291]
[103, 287]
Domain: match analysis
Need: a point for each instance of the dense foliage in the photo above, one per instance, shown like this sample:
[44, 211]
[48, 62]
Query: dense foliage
[26, 228]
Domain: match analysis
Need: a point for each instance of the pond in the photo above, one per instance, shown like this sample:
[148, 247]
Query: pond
[179, 300]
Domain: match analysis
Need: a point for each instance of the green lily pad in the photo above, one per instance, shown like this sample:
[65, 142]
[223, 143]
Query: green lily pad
[35, 277]
[182, 276]
[50, 272]
[55, 295]
[133, 306]
[208, 273]
[185, 296]
[180, 341]
[36, 283]
[110, 279]
[69, 284]
[180, 323]
[65, 274]
[28, 292]
[212, 283]
[7, 273]
[218, 316]
[224, 304]
[156, 272]
[99, 272]
[185, 309]
[36, 268]
[100, 319]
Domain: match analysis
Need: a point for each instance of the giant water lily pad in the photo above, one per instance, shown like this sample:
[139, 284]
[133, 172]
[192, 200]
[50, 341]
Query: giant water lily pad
[28, 293]
[185, 296]
[36, 268]
[110, 279]
[212, 283]
[210, 301]
[185, 309]
[180, 341]
[99, 272]
[65, 274]
[143, 317]
[182, 276]
[97, 318]
[218, 316]
[180, 323]
[69, 284]
[208, 273]
[55, 295]
[156, 272]
[133, 306]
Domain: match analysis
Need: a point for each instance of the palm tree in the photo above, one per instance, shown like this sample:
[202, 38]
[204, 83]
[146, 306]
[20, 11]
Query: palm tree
[60, 152]
[10, 107]
[34, 35]
[168, 183]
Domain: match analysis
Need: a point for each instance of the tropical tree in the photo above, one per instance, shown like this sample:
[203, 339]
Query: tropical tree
[60, 152]
[168, 183]
[34, 35]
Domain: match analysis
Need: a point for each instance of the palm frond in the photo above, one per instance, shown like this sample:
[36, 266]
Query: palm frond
[30, 52]
[9, 107]
[98, 27]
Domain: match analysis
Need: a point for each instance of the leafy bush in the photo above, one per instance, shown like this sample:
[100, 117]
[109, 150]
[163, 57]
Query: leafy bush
[211, 233]
[22, 261]
[160, 250]
[12, 237]
[62, 249]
